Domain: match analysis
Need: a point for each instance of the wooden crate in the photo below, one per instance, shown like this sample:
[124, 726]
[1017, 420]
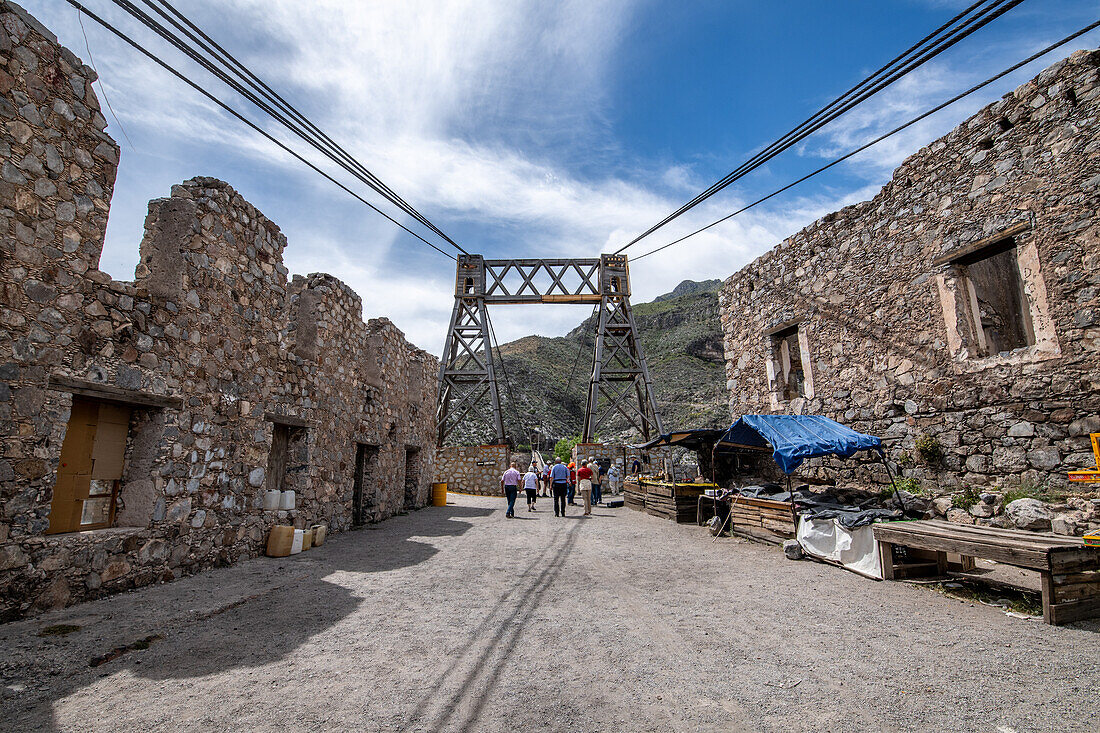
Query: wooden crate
[677, 502]
[762, 517]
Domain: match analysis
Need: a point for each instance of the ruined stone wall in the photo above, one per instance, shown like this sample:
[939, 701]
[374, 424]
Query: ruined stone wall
[473, 469]
[210, 344]
[882, 316]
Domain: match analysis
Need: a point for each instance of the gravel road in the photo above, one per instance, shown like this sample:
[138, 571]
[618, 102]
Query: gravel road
[458, 619]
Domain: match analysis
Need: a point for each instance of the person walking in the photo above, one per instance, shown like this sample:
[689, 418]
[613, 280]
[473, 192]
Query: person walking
[545, 481]
[613, 477]
[531, 486]
[584, 486]
[559, 482]
[598, 473]
[572, 482]
[510, 483]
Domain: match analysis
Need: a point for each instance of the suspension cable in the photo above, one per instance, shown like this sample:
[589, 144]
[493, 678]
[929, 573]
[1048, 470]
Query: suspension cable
[882, 137]
[179, 75]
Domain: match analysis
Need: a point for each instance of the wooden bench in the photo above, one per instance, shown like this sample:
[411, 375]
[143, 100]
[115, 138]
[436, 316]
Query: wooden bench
[1070, 571]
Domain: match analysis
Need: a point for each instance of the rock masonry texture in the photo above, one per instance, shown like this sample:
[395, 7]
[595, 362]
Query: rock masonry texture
[211, 320]
[889, 350]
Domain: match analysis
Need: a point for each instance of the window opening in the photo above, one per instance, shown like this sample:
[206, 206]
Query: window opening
[289, 457]
[790, 376]
[998, 305]
[90, 469]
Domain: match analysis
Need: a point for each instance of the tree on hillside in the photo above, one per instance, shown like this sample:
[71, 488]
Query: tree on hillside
[563, 449]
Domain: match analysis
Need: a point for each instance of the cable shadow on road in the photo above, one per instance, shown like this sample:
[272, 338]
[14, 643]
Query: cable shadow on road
[474, 670]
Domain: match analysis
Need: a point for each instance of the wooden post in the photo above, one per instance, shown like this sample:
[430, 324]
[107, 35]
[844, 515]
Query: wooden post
[1048, 596]
[886, 559]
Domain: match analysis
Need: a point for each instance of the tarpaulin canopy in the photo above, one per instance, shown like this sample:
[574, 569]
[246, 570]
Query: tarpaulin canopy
[794, 438]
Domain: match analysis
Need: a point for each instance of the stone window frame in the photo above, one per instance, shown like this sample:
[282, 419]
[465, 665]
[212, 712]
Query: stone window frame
[956, 302]
[775, 391]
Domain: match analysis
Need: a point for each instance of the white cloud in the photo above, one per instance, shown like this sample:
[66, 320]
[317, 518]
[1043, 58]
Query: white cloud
[476, 111]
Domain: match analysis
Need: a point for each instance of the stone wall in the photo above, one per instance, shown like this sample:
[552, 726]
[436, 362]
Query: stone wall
[473, 469]
[875, 308]
[210, 344]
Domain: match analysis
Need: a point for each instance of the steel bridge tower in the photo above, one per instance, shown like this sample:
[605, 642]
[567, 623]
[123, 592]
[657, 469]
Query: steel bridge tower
[620, 382]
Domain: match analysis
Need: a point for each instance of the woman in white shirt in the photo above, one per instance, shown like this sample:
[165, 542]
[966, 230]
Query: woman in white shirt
[531, 486]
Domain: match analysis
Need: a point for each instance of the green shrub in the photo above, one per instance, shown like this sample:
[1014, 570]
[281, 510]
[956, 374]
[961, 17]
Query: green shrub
[910, 485]
[905, 458]
[563, 449]
[966, 498]
[929, 449]
[1028, 488]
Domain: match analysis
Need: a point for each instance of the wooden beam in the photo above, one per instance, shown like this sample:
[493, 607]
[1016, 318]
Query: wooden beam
[111, 393]
[961, 253]
[292, 420]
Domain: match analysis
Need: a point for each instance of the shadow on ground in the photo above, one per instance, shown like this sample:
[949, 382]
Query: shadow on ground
[255, 630]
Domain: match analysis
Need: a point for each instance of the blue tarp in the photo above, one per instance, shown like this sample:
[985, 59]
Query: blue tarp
[794, 438]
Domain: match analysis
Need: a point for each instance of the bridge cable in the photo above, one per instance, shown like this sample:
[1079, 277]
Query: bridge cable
[507, 381]
[167, 67]
[580, 351]
[880, 138]
[312, 133]
[842, 104]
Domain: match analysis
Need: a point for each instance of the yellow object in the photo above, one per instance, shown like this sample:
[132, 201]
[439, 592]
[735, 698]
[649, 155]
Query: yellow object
[307, 539]
[1092, 539]
[439, 494]
[319, 532]
[280, 540]
[1090, 476]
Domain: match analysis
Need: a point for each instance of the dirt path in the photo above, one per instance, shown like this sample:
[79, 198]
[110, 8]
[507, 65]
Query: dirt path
[457, 619]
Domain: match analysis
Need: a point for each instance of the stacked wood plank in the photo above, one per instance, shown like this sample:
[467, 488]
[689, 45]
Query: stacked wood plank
[676, 502]
[634, 496]
[763, 518]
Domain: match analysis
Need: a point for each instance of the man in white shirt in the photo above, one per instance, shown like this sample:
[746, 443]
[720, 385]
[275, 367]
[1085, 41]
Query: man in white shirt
[510, 483]
[531, 486]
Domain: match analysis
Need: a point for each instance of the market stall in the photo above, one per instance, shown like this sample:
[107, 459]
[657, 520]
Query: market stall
[828, 527]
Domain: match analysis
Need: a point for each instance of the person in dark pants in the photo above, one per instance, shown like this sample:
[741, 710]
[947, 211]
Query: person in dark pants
[572, 483]
[598, 472]
[531, 486]
[559, 485]
[510, 482]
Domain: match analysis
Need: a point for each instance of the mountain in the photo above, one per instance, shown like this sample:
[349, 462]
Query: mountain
[689, 287]
[544, 382]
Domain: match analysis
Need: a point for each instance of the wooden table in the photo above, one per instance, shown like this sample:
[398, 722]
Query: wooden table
[1070, 571]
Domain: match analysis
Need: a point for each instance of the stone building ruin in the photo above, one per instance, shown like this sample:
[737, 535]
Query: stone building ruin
[957, 313]
[143, 422]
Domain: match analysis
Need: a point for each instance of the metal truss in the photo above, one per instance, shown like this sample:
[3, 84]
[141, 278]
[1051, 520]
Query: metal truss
[619, 374]
[620, 383]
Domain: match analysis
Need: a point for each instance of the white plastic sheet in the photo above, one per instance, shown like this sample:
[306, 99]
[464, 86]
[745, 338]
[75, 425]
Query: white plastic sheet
[855, 549]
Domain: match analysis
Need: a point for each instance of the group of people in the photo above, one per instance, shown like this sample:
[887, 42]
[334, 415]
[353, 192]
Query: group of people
[562, 482]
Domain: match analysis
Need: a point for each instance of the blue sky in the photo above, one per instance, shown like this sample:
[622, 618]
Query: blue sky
[526, 128]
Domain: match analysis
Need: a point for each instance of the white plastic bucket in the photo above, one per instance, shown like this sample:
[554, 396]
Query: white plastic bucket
[286, 501]
[271, 500]
[299, 538]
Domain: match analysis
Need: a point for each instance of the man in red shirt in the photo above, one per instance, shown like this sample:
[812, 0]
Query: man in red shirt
[584, 486]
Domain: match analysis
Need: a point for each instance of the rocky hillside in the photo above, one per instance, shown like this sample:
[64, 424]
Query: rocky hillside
[547, 379]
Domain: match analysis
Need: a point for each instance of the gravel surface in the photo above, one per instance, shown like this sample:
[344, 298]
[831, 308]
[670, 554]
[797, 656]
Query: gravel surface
[458, 619]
